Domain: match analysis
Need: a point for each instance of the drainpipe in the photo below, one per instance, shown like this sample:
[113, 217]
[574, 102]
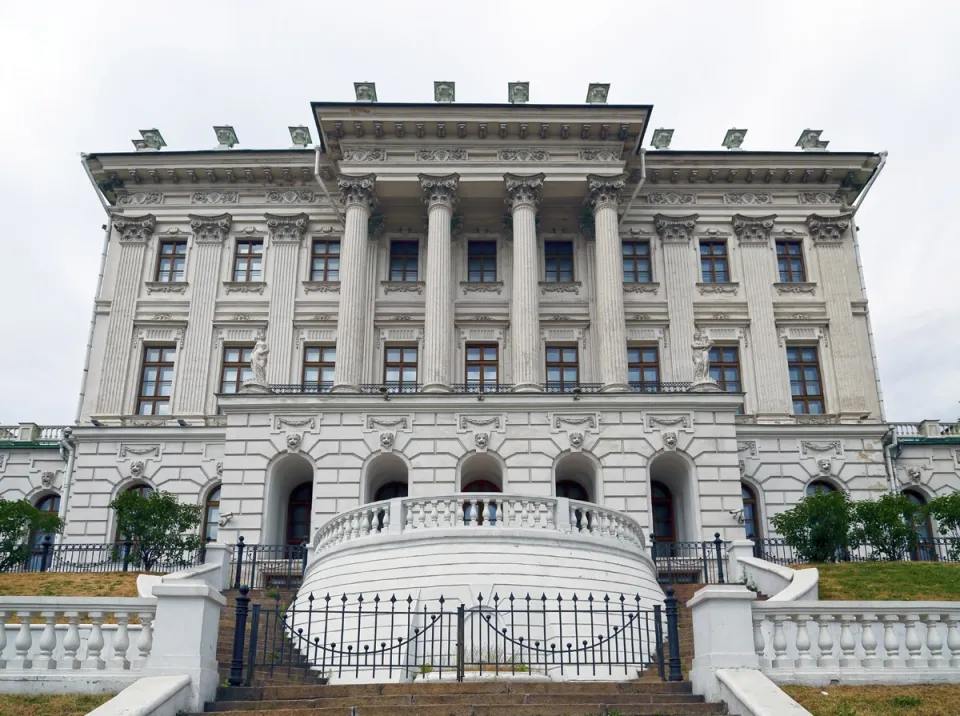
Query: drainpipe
[643, 180]
[889, 443]
[863, 286]
[68, 451]
[323, 187]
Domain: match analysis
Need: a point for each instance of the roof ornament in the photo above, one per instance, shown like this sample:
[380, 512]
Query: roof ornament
[152, 141]
[810, 141]
[733, 139]
[444, 92]
[300, 136]
[518, 92]
[597, 93]
[365, 91]
[661, 138]
[226, 136]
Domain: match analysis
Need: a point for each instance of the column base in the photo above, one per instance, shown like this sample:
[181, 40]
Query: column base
[255, 388]
[527, 388]
[615, 388]
[704, 386]
[435, 388]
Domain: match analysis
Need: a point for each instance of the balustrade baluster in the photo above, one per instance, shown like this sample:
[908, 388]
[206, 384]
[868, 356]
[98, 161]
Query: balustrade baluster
[472, 512]
[935, 642]
[441, 511]
[121, 642]
[604, 523]
[145, 640]
[891, 642]
[953, 639]
[71, 643]
[23, 642]
[848, 645]
[594, 522]
[95, 643]
[759, 645]
[869, 641]
[913, 643]
[368, 517]
[825, 642]
[550, 508]
[499, 513]
[408, 516]
[780, 659]
[804, 659]
[47, 643]
[386, 517]
[3, 638]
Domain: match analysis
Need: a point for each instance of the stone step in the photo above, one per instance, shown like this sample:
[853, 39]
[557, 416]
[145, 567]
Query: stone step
[483, 709]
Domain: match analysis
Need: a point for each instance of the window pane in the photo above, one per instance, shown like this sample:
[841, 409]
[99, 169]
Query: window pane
[409, 355]
[473, 354]
[393, 375]
[393, 355]
[409, 375]
[553, 355]
[569, 355]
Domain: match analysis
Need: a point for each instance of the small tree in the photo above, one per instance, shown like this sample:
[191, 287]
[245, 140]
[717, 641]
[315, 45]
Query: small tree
[160, 528]
[888, 525]
[18, 518]
[946, 511]
[818, 527]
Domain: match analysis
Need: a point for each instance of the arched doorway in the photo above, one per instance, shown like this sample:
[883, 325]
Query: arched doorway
[751, 513]
[287, 509]
[572, 490]
[390, 490]
[575, 478]
[926, 550]
[674, 512]
[48, 505]
[664, 517]
[299, 506]
[211, 515]
[480, 512]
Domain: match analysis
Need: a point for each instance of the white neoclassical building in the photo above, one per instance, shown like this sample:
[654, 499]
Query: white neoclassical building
[443, 301]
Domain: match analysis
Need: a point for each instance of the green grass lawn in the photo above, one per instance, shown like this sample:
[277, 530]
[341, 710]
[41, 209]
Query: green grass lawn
[55, 584]
[59, 705]
[889, 581]
[940, 700]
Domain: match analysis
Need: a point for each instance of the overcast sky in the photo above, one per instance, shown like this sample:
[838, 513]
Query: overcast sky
[85, 76]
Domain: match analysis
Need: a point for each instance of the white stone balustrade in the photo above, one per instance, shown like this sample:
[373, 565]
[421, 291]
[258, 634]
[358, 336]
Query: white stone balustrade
[75, 634]
[479, 510]
[813, 642]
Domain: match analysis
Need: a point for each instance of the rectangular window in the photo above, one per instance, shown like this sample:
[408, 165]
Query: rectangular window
[558, 261]
[236, 368]
[482, 366]
[248, 261]
[805, 384]
[156, 380]
[400, 369]
[713, 262]
[636, 262]
[563, 369]
[725, 367]
[171, 262]
[790, 261]
[403, 260]
[318, 365]
[481, 261]
[643, 368]
[325, 261]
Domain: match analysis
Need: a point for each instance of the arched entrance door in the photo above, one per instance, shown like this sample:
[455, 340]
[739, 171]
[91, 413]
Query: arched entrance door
[664, 517]
[298, 514]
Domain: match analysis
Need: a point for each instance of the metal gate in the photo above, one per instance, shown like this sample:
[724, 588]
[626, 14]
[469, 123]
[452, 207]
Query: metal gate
[386, 638]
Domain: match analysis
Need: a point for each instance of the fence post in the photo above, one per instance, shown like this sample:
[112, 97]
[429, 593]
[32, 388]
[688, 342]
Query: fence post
[461, 646]
[45, 557]
[718, 543]
[127, 548]
[653, 548]
[658, 635]
[239, 630]
[673, 636]
[305, 549]
[252, 654]
[236, 581]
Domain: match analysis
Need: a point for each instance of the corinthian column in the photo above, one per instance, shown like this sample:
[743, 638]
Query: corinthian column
[680, 264]
[133, 235]
[358, 199]
[440, 195]
[286, 237]
[523, 197]
[611, 328]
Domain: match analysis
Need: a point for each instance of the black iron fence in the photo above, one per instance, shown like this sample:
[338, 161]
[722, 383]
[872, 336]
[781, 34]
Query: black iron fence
[385, 637]
[690, 562]
[266, 566]
[938, 549]
[114, 557]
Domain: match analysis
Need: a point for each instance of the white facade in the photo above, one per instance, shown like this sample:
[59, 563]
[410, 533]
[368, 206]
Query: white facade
[529, 181]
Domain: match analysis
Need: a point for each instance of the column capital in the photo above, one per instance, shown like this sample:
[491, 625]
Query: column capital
[135, 229]
[441, 190]
[358, 190]
[286, 228]
[753, 230]
[675, 229]
[828, 229]
[210, 229]
[523, 190]
[604, 190]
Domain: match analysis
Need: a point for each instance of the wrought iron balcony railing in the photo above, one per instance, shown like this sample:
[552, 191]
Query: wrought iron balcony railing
[473, 387]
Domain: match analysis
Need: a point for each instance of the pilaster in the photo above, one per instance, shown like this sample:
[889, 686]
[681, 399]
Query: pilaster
[523, 198]
[828, 235]
[603, 194]
[357, 193]
[286, 238]
[680, 267]
[209, 235]
[440, 196]
[133, 235]
[759, 262]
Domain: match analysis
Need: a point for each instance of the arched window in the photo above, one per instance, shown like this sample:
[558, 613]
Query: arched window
[926, 549]
[49, 505]
[298, 514]
[751, 515]
[390, 490]
[211, 515]
[664, 525]
[572, 490]
[141, 489]
[820, 486]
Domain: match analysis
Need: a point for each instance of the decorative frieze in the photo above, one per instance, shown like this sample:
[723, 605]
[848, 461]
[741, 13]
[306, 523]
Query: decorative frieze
[713, 289]
[828, 229]
[748, 198]
[244, 287]
[140, 198]
[214, 197]
[162, 287]
[307, 421]
[321, 287]
[441, 155]
[135, 229]
[671, 198]
[523, 155]
[753, 230]
[389, 422]
[559, 287]
[212, 229]
[599, 155]
[365, 155]
[641, 287]
[291, 196]
[795, 288]
[575, 421]
[834, 446]
[675, 228]
[481, 287]
[818, 197]
[286, 228]
[402, 287]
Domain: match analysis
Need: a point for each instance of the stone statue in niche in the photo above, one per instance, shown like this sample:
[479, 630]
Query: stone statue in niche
[701, 362]
[258, 362]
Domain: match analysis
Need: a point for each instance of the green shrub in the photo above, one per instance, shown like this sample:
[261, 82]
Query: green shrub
[160, 527]
[818, 528]
[18, 519]
[887, 524]
[946, 511]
